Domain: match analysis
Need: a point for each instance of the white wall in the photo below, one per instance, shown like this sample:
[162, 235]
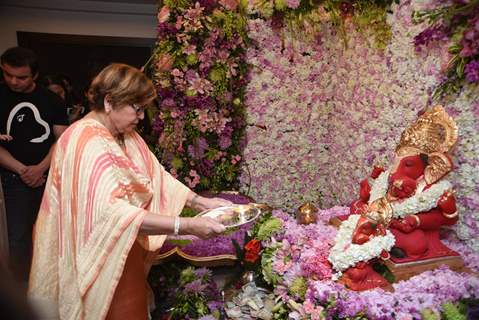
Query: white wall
[78, 17]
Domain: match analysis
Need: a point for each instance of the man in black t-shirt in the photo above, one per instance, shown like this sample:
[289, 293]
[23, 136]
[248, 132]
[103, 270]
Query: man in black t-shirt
[34, 118]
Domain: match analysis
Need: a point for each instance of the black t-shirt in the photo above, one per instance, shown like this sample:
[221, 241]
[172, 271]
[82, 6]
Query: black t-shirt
[29, 119]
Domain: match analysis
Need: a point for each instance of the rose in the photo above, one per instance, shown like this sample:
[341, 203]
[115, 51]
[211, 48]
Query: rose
[252, 249]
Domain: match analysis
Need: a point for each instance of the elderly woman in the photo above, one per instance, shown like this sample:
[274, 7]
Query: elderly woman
[107, 208]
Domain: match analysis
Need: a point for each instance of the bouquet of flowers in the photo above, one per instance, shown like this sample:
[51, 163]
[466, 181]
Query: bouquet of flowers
[200, 72]
[456, 22]
[196, 295]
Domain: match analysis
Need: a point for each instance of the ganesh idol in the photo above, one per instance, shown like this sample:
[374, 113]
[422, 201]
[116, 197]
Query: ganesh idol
[401, 210]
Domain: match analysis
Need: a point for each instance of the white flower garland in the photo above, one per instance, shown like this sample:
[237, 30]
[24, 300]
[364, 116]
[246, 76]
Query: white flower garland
[420, 202]
[345, 254]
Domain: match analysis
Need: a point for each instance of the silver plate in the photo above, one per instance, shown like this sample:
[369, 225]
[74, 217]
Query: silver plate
[234, 216]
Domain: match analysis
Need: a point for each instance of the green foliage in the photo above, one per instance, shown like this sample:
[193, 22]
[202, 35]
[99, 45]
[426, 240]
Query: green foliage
[452, 311]
[298, 288]
[267, 265]
[428, 314]
[268, 228]
[384, 271]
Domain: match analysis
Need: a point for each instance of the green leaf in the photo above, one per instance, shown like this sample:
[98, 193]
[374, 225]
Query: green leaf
[460, 68]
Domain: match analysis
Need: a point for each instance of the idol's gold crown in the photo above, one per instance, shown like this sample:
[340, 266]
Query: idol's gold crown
[434, 131]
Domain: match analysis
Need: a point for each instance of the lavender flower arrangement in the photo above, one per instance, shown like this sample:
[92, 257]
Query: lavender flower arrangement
[293, 263]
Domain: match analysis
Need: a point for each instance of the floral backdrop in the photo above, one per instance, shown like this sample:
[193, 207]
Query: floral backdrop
[320, 115]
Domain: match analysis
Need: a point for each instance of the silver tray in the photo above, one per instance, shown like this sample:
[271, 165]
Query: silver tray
[234, 216]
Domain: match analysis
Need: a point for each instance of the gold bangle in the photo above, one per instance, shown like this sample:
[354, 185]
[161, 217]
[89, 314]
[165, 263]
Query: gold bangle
[450, 216]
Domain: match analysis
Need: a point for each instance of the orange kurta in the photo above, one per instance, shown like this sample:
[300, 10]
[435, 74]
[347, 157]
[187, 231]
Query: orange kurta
[96, 197]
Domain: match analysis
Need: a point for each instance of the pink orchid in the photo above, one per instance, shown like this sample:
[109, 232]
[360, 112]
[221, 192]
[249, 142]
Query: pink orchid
[164, 14]
[164, 62]
[229, 4]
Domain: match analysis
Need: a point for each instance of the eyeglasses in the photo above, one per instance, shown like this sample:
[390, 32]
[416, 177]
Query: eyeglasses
[138, 109]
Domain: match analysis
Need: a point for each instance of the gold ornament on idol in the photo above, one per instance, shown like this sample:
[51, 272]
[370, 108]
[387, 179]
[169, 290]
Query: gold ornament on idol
[434, 133]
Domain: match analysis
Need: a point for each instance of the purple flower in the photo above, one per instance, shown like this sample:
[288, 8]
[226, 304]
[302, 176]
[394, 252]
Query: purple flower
[205, 167]
[195, 287]
[165, 93]
[215, 305]
[225, 142]
[200, 102]
[168, 103]
[429, 35]
[158, 125]
[472, 71]
[197, 150]
[209, 5]
[166, 29]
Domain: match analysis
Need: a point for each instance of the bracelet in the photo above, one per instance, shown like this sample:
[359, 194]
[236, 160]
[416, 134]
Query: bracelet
[450, 216]
[418, 221]
[176, 229]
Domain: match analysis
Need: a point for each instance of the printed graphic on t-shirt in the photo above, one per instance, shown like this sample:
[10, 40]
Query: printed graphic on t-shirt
[18, 114]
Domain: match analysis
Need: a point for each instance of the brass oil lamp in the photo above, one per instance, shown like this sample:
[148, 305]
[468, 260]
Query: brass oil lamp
[307, 214]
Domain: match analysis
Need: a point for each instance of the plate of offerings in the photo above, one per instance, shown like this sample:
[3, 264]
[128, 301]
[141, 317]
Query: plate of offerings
[234, 216]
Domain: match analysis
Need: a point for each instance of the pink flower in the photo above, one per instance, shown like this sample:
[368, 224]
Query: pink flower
[179, 22]
[164, 62]
[229, 4]
[164, 14]
[293, 4]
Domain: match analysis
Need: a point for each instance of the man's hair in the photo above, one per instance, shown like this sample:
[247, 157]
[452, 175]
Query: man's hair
[124, 85]
[20, 57]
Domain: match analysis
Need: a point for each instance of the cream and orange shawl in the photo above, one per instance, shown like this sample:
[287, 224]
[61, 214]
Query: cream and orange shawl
[94, 203]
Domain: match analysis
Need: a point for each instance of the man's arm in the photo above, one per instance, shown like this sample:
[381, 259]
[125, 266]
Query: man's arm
[33, 176]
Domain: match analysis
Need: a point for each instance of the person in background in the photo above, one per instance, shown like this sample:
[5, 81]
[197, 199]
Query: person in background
[81, 106]
[55, 85]
[31, 119]
[108, 208]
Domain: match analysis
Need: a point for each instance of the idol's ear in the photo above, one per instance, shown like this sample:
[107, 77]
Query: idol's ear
[439, 164]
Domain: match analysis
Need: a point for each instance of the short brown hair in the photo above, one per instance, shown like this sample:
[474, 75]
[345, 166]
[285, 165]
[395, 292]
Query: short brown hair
[124, 85]
[20, 57]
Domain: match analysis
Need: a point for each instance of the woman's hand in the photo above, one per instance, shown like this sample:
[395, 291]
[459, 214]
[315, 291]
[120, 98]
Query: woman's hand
[201, 203]
[202, 227]
[212, 203]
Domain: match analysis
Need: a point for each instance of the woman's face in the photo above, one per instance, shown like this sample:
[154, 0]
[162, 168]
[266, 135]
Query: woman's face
[125, 118]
